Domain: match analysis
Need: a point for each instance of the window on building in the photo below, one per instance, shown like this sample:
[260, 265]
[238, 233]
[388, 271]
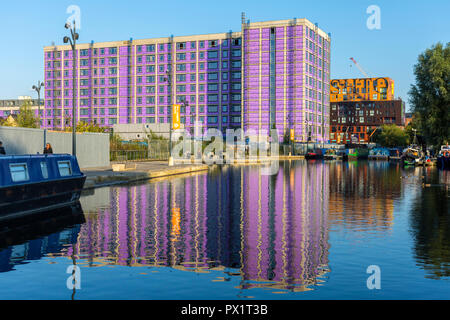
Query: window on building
[212, 119]
[236, 75]
[213, 65]
[212, 76]
[212, 108]
[236, 63]
[212, 97]
[213, 54]
[212, 86]
[236, 52]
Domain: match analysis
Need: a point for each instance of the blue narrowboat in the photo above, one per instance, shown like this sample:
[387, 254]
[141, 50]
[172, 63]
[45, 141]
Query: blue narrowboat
[36, 183]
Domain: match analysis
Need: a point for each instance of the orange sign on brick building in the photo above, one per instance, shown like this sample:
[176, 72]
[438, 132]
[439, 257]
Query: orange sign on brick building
[363, 89]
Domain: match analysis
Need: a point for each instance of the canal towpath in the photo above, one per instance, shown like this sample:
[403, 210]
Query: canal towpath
[135, 171]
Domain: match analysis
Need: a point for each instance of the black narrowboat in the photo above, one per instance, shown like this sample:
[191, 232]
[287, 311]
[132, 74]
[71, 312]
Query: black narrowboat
[36, 183]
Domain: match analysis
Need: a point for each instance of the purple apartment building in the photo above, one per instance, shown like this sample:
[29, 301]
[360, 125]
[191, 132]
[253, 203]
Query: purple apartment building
[270, 74]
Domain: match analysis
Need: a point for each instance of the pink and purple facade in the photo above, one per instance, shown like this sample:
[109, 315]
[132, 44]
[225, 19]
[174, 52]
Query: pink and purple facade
[286, 78]
[274, 72]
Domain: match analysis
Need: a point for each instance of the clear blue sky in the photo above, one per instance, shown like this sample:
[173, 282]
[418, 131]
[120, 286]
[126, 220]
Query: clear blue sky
[407, 29]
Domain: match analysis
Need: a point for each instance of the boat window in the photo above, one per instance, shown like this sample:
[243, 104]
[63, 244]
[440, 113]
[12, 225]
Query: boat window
[19, 172]
[44, 170]
[64, 168]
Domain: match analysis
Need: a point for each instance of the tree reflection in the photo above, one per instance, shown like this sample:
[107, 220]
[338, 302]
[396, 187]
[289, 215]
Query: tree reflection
[430, 226]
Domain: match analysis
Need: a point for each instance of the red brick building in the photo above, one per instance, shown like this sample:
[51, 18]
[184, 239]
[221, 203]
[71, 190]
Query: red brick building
[355, 121]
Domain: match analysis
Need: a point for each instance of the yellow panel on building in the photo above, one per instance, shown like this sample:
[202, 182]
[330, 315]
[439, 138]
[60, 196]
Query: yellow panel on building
[362, 89]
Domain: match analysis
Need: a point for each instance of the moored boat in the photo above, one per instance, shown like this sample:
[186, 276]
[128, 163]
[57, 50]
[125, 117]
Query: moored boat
[332, 154]
[443, 158]
[428, 161]
[395, 155]
[315, 154]
[412, 156]
[379, 154]
[357, 152]
[36, 183]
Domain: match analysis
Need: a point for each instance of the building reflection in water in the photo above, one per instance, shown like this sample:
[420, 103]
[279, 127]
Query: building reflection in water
[284, 227]
[362, 195]
[271, 231]
[268, 231]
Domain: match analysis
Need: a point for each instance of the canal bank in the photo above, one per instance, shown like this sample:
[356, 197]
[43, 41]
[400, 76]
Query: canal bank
[136, 171]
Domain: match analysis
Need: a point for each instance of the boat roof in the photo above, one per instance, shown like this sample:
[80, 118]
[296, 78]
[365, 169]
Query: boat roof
[38, 155]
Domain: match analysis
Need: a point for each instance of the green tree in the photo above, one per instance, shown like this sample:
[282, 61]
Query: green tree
[83, 126]
[26, 117]
[430, 95]
[392, 136]
[3, 122]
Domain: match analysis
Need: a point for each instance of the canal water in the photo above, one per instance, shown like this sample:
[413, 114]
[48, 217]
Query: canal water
[313, 230]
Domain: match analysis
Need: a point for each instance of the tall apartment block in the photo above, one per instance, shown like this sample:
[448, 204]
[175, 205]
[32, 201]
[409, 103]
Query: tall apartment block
[271, 74]
[286, 74]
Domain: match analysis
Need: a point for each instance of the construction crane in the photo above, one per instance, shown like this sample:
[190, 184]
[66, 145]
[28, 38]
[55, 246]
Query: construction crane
[359, 67]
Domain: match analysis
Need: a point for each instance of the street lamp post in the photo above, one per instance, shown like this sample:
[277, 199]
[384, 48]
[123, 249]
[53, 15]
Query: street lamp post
[72, 40]
[38, 90]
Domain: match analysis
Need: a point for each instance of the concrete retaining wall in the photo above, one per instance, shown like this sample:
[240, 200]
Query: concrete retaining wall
[92, 148]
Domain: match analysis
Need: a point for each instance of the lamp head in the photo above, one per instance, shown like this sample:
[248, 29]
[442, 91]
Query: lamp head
[34, 88]
[66, 39]
[67, 25]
